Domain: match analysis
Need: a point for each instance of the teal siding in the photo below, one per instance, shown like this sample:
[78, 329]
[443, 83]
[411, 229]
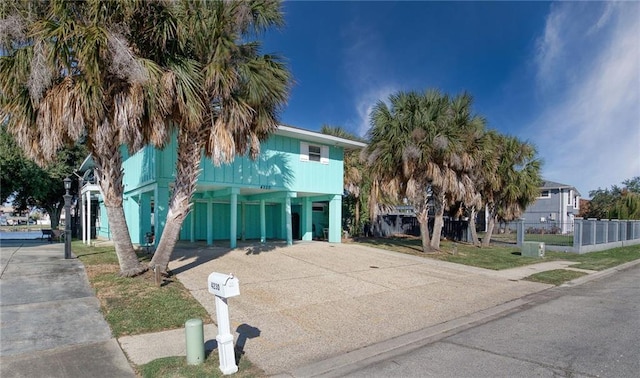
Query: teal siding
[277, 167]
[139, 168]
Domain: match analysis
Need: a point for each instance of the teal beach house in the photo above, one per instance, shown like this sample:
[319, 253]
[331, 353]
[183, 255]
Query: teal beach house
[292, 191]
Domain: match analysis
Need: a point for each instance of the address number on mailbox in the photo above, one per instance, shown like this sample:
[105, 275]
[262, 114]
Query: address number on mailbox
[223, 285]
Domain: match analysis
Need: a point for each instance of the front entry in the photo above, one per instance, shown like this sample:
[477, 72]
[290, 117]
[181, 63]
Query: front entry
[295, 226]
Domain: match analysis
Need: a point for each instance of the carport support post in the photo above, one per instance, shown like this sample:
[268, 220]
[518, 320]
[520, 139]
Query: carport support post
[225, 338]
[233, 219]
[209, 222]
[263, 223]
[288, 225]
[335, 219]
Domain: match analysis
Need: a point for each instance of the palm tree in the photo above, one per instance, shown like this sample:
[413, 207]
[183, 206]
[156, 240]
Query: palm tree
[240, 94]
[516, 183]
[485, 179]
[355, 177]
[68, 73]
[421, 148]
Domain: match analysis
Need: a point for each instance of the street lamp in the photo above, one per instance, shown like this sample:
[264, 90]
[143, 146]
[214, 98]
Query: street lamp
[67, 218]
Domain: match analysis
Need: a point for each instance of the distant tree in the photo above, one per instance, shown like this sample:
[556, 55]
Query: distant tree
[516, 182]
[30, 185]
[616, 202]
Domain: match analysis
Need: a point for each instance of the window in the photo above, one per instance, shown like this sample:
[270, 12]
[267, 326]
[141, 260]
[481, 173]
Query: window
[314, 152]
[545, 194]
[570, 198]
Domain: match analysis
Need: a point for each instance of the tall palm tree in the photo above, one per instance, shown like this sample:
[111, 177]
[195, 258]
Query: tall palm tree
[354, 177]
[516, 183]
[421, 149]
[485, 179]
[241, 93]
[68, 73]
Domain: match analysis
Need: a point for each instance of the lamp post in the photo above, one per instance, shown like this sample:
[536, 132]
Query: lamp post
[67, 218]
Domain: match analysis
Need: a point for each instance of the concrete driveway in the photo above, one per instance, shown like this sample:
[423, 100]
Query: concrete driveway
[314, 300]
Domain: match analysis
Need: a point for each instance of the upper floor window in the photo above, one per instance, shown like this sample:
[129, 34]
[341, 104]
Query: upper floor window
[545, 194]
[314, 152]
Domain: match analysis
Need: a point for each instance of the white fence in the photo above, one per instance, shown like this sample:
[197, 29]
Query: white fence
[592, 235]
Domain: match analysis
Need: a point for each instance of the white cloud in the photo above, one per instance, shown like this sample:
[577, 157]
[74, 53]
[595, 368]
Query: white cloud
[369, 80]
[365, 102]
[589, 132]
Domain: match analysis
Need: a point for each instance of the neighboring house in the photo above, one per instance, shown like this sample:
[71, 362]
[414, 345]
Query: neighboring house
[293, 191]
[555, 209]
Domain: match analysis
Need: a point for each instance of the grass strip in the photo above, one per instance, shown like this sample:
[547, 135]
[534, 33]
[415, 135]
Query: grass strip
[555, 277]
[177, 367]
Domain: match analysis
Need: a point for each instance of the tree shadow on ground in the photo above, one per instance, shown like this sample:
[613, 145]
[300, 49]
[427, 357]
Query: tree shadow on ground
[203, 253]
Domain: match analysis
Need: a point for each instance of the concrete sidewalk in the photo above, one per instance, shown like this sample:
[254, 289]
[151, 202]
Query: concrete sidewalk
[312, 301]
[50, 320]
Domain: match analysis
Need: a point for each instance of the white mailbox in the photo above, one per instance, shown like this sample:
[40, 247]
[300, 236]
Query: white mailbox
[223, 285]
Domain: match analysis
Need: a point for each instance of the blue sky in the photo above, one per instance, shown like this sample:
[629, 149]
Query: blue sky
[564, 75]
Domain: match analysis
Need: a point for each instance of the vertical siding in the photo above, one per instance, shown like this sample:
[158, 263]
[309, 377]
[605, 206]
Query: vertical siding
[277, 167]
[139, 168]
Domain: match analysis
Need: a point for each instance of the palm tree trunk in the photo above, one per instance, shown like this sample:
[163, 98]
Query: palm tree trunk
[472, 227]
[129, 264]
[110, 174]
[356, 226]
[423, 221]
[487, 238]
[438, 221]
[187, 172]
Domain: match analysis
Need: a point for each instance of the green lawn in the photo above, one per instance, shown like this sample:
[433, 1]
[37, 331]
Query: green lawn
[136, 305]
[503, 256]
[551, 239]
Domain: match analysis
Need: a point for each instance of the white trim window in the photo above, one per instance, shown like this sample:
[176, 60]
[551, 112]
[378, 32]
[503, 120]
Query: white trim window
[545, 194]
[314, 152]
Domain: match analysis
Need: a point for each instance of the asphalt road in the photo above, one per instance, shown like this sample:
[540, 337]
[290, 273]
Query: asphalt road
[590, 330]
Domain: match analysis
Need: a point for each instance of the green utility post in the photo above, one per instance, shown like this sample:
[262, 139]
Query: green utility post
[195, 341]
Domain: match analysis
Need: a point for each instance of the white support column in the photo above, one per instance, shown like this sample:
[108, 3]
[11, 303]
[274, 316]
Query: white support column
[263, 222]
[209, 222]
[82, 219]
[233, 219]
[88, 212]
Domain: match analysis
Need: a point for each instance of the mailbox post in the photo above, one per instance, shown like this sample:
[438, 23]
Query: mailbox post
[224, 286]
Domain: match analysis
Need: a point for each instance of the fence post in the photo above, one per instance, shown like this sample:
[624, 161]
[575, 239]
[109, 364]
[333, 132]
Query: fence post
[577, 234]
[605, 231]
[615, 233]
[592, 234]
[520, 233]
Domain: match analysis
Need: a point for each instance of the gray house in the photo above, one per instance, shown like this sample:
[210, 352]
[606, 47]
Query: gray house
[554, 210]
